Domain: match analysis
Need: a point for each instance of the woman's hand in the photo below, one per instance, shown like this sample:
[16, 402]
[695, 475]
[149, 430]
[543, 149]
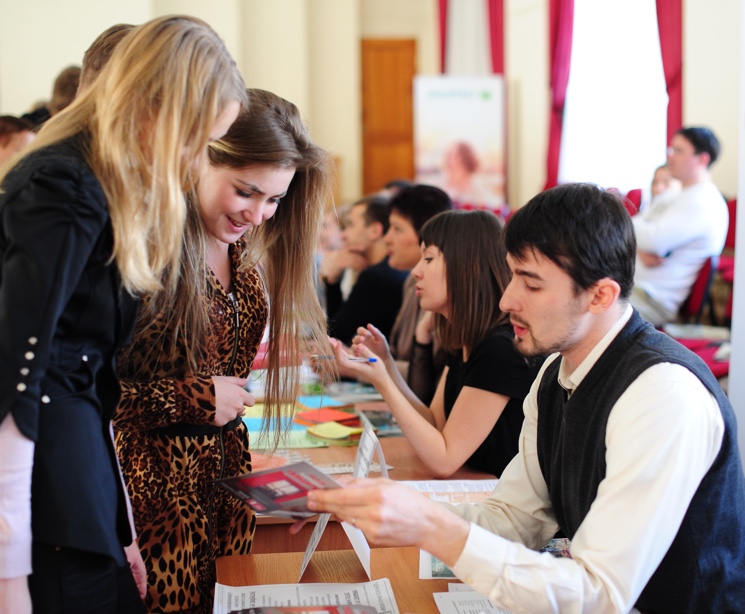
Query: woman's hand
[334, 263]
[230, 398]
[373, 372]
[137, 566]
[374, 340]
[391, 514]
[423, 332]
[14, 595]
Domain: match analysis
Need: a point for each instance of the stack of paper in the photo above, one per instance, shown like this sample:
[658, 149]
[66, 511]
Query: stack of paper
[335, 434]
[306, 402]
[312, 417]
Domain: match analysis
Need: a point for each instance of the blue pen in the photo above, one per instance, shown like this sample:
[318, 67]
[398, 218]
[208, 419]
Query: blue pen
[351, 358]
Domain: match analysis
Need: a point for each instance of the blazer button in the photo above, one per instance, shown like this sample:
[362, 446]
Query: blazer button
[45, 399]
[85, 358]
[24, 371]
[21, 387]
[29, 355]
[33, 340]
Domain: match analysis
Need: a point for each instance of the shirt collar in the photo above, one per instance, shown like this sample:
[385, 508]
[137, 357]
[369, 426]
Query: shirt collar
[570, 381]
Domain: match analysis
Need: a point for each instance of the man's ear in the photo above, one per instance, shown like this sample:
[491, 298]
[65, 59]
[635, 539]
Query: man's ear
[605, 293]
[375, 229]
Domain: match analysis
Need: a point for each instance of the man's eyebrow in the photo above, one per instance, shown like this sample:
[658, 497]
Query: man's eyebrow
[530, 274]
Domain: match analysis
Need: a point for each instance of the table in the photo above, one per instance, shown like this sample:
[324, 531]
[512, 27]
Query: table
[272, 533]
[399, 565]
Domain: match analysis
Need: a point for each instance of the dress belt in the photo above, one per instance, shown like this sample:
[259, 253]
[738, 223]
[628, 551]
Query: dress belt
[183, 429]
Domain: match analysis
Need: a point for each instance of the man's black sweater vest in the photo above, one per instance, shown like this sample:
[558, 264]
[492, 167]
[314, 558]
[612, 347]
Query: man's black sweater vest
[704, 569]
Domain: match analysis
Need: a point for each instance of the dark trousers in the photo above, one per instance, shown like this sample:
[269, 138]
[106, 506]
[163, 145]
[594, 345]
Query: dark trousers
[66, 581]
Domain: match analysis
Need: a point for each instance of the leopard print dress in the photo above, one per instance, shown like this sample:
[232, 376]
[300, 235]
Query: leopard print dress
[170, 454]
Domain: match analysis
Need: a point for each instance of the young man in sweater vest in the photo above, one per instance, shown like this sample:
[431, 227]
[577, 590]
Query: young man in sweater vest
[629, 446]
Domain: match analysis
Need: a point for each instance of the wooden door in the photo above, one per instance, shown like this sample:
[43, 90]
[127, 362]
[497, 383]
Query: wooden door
[388, 68]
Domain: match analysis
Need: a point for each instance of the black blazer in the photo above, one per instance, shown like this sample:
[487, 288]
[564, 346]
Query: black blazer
[63, 316]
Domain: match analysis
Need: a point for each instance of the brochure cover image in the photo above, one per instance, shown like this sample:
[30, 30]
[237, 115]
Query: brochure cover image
[280, 491]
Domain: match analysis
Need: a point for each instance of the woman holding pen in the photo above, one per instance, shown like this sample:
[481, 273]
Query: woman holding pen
[476, 414]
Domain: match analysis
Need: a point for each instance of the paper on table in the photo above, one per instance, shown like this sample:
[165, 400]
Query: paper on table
[457, 602]
[316, 401]
[315, 537]
[337, 468]
[457, 587]
[378, 594]
[454, 491]
[430, 567]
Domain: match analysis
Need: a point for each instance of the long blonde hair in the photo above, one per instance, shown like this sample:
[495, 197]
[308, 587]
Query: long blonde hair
[269, 131]
[146, 120]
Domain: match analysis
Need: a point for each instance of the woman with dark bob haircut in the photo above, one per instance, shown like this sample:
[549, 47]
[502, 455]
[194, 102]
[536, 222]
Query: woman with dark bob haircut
[476, 414]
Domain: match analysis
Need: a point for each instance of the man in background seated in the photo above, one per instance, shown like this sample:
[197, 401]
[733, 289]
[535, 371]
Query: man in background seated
[376, 295]
[675, 237]
[629, 445]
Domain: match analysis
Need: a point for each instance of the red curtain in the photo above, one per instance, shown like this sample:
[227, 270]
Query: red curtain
[670, 24]
[496, 34]
[561, 18]
[443, 33]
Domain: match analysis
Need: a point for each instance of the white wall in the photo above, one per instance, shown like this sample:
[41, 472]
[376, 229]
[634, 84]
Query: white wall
[335, 87]
[711, 79]
[528, 97]
[417, 19]
[308, 52]
[38, 38]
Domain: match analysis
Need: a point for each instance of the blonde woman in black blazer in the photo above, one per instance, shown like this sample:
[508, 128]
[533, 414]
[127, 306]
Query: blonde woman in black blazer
[90, 217]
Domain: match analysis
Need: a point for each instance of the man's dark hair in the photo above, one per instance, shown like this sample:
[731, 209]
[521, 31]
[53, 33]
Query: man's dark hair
[418, 203]
[376, 210]
[583, 229]
[703, 141]
[398, 184]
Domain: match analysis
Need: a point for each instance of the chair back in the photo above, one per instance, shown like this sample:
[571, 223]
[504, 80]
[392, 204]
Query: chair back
[632, 201]
[729, 242]
[700, 296]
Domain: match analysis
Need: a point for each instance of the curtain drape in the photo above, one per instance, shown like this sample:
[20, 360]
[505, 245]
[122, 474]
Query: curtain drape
[670, 24]
[495, 10]
[561, 17]
[496, 35]
[443, 5]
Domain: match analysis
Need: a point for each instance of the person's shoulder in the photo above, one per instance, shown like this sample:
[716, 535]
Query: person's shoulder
[384, 270]
[61, 169]
[704, 190]
[63, 157]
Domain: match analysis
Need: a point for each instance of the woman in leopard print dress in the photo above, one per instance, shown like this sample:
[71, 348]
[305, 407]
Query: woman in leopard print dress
[178, 426]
